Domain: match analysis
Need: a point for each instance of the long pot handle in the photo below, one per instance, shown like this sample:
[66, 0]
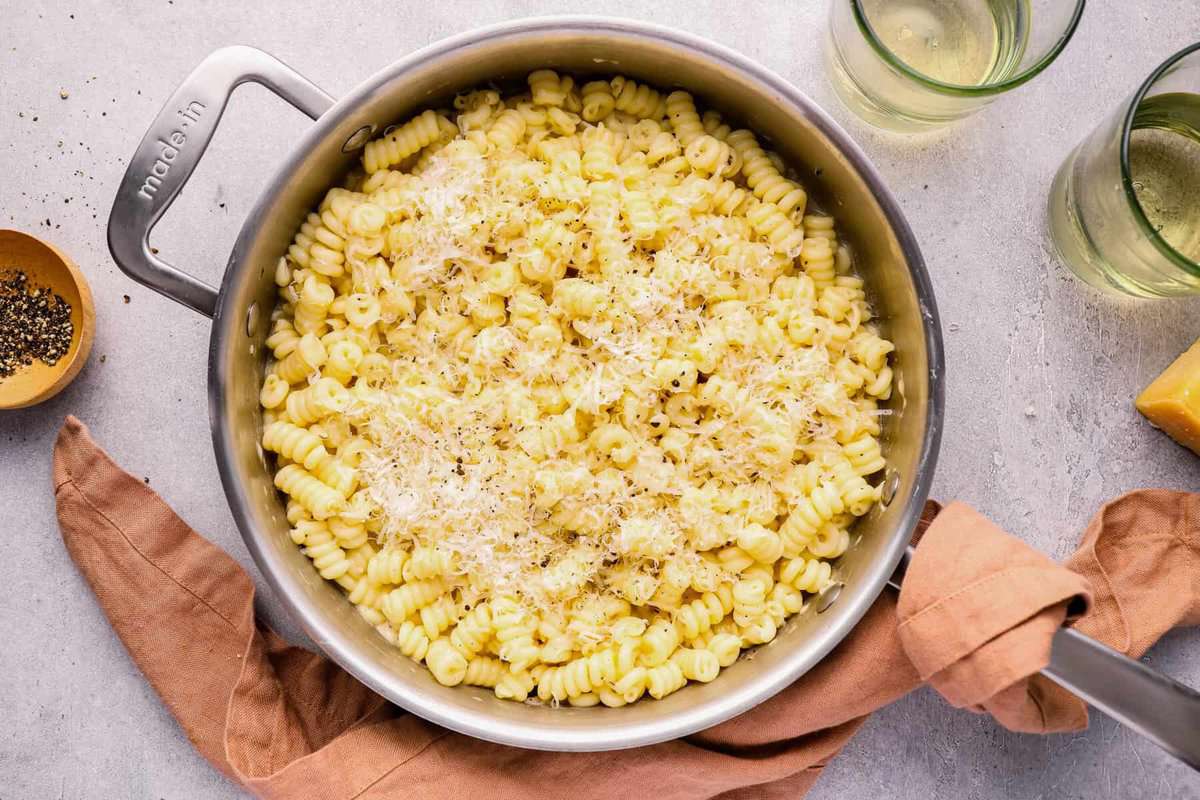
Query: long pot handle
[1158, 707]
[172, 148]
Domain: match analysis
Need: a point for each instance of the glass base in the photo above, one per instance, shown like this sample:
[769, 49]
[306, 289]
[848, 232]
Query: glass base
[868, 108]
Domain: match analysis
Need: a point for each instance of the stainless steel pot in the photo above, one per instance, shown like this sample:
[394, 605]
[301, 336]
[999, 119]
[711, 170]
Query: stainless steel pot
[835, 170]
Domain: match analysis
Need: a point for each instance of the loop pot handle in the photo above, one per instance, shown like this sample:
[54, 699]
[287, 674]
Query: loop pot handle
[172, 148]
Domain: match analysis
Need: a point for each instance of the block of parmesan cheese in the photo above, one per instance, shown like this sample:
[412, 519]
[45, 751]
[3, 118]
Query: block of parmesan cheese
[1172, 402]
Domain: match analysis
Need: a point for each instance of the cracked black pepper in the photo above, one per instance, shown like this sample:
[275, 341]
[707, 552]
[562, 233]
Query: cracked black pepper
[35, 324]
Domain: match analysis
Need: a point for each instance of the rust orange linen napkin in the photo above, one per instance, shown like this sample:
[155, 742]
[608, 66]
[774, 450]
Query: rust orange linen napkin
[974, 619]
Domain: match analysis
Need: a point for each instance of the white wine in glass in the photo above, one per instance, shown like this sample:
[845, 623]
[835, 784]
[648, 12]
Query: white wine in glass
[960, 42]
[1164, 163]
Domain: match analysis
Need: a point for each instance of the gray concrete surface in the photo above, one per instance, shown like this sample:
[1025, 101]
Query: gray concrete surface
[76, 718]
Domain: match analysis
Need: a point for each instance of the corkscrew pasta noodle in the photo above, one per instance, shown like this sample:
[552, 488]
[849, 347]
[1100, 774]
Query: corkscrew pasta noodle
[573, 394]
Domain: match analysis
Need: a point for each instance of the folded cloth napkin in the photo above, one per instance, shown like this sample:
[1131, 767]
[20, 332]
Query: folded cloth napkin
[975, 620]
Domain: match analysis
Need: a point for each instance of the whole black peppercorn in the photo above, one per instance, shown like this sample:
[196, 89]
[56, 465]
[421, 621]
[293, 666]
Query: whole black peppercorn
[35, 324]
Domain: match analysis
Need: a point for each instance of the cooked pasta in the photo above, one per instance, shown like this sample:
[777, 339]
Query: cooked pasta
[573, 393]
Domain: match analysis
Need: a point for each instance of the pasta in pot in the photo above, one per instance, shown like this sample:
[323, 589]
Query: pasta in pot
[574, 395]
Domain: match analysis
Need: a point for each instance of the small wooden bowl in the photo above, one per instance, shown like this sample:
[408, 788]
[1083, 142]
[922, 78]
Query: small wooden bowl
[46, 266]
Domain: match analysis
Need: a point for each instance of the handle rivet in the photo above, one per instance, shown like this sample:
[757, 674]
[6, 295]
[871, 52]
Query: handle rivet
[252, 319]
[828, 596]
[891, 484]
[358, 139]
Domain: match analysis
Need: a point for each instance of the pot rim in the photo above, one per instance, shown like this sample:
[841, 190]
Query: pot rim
[612, 734]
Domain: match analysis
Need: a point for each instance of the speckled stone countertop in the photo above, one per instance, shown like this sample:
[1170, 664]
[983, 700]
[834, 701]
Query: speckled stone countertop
[1041, 370]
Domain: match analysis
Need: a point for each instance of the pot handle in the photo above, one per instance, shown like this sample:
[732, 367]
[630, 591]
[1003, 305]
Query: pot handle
[172, 148]
[1160, 708]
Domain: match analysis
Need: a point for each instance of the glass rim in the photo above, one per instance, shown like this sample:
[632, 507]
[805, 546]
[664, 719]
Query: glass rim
[1139, 214]
[959, 89]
